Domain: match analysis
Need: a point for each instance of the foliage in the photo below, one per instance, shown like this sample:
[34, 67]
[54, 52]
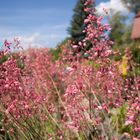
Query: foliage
[118, 119]
[120, 32]
[56, 52]
[77, 22]
[132, 5]
[136, 54]
[3, 59]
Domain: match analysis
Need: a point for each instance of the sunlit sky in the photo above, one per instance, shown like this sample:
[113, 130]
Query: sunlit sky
[41, 22]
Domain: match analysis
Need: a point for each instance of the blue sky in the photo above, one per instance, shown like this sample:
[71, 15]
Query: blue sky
[38, 22]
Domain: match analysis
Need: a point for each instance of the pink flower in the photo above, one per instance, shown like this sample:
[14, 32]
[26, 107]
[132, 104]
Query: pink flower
[86, 20]
[134, 138]
[70, 69]
[128, 122]
[75, 46]
[137, 129]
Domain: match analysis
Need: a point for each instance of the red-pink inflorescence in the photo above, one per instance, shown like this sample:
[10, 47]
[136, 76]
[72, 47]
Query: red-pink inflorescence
[76, 93]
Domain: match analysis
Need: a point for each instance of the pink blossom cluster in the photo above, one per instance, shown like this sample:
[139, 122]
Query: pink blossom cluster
[71, 97]
[18, 100]
[96, 43]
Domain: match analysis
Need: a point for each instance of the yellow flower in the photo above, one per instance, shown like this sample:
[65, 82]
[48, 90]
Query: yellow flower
[123, 66]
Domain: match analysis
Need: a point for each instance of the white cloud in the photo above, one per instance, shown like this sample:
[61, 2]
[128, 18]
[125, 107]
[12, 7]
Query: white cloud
[40, 40]
[31, 40]
[48, 36]
[44, 36]
[115, 5]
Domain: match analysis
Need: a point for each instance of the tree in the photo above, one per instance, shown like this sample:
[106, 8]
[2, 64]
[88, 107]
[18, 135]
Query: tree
[82, 10]
[77, 22]
[127, 34]
[119, 28]
[132, 5]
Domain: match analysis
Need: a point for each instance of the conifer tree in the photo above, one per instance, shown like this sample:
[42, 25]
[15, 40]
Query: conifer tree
[77, 23]
[118, 24]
